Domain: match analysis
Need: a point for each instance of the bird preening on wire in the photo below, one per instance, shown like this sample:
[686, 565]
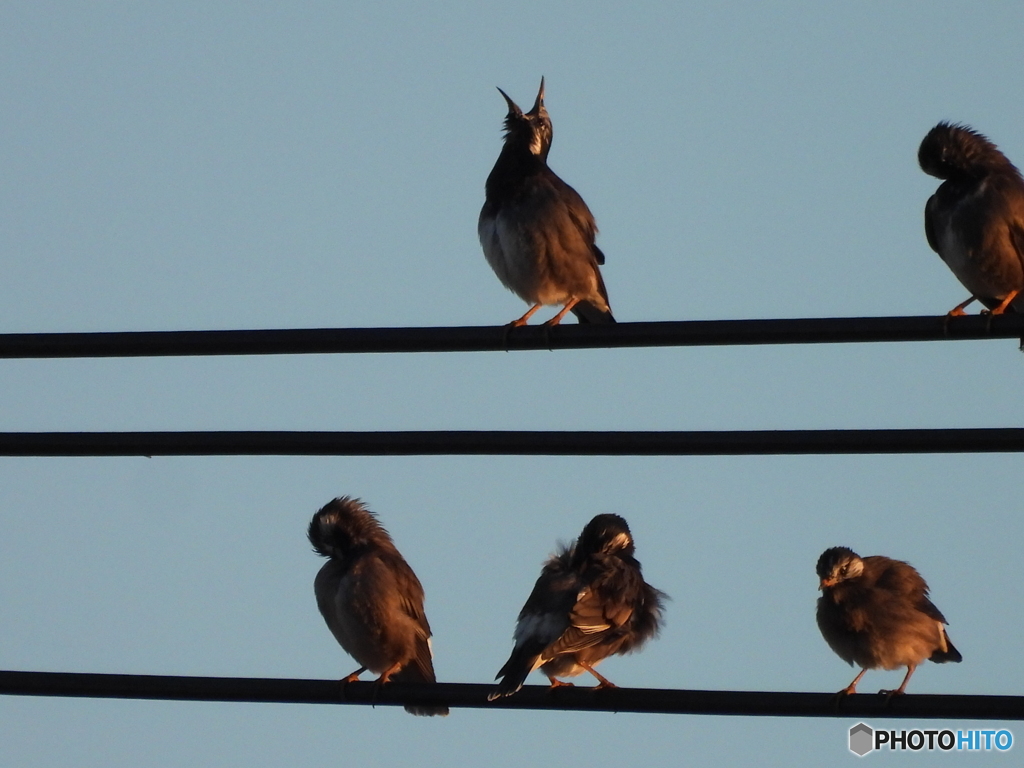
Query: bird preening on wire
[536, 231]
[975, 220]
[591, 601]
[371, 599]
[875, 612]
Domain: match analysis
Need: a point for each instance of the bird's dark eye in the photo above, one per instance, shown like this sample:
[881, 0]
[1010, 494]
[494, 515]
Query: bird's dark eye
[843, 570]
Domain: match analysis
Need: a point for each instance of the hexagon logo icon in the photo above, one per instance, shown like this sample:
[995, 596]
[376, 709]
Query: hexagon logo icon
[862, 739]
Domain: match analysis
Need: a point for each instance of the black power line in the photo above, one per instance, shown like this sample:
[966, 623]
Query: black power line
[644, 700]
[498, 338]
[514, 443]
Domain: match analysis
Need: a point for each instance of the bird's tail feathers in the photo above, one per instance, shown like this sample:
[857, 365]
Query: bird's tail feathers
[950, 654]
[587, 313]
[512, 676]
[418, 672]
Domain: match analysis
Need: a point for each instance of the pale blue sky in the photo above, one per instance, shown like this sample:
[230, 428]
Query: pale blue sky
[241, 165]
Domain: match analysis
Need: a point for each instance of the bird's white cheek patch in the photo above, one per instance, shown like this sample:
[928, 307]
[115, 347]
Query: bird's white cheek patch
[621, 541]
[537, 145]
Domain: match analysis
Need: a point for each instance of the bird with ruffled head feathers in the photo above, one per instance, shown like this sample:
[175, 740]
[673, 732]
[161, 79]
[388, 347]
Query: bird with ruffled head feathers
[975, 219]
[370, 598]
[590, 602]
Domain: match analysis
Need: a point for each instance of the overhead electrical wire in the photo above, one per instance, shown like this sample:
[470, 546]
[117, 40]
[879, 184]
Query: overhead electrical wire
[501, 338]
[641, 700]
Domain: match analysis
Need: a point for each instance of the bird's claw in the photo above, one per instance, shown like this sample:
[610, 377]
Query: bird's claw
[561, 684]
[889, 694]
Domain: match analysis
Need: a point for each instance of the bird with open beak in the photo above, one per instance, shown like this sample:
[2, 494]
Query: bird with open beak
[875, 612]
[536, 231]
[371, 599]
[591, 601]
[975, 220]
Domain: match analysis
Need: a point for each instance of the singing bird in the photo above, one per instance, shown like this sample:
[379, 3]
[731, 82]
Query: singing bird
[591, 601]
[875, 612]
[975, 220]
[370, 598]
[536, 231]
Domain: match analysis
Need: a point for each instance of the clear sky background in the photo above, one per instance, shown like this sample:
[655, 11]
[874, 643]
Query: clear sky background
[258, 165]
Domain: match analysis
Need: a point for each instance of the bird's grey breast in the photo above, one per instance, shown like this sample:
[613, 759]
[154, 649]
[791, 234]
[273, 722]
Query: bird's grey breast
[336, 596]
[957, 245]
[509, 250]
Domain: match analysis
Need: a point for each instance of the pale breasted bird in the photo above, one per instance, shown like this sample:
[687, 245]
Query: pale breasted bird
[370, 598]
[875, 612]
[591, 601]
[975, 220]
[536, 231]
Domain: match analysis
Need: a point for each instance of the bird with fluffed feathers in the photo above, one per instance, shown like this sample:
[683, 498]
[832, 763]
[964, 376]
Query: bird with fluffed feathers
[875, 612]
[590, 602]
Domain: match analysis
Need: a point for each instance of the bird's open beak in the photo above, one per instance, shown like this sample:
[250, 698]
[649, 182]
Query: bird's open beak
[513, 108]
[538, 105]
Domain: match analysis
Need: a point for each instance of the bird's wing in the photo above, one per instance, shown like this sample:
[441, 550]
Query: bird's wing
[603, 607]
[895, 576]
[927, 607]
[901, 582]
[543, 619]
[408, 589]
[399, 589]
[1017, 238]
[1013, 197]
[558, 217]
[545, 615]
[579, 214]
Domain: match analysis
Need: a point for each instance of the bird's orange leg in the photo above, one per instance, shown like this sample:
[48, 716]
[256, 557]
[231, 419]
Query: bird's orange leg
[556, 683]
[522, 320]
[386, 674]
[903, 686]
[604, 682]
[1005, 302]
[558, 318]
[353, 677]
[958, 310]
[852, 687]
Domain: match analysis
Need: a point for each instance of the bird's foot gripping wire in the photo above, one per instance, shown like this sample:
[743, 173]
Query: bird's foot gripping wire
[848, 690]
[957, 311]
[999, 310]
[602, 681]
[353, 677]
[898, 691]
[556, 683]
[890, 694]
[518, 323]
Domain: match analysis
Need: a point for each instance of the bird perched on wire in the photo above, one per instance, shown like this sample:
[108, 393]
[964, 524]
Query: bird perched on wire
[875, 612]
[370, 598]
[975, 220]
[591, 601]
[536, 231]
